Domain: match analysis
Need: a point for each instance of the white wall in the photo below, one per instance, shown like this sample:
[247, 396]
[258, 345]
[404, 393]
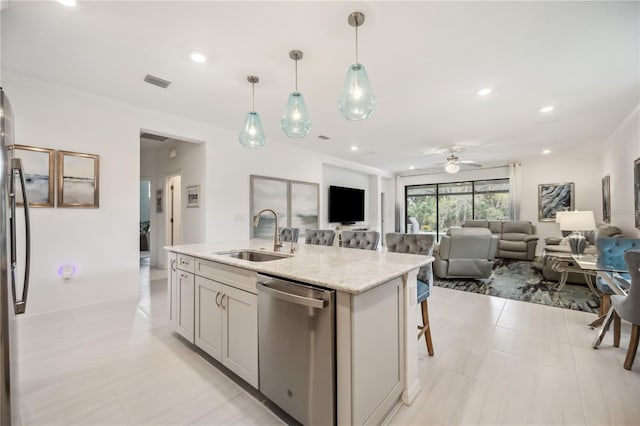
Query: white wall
[618, 154]
[103, 243]
[388, 210]
[583, 170]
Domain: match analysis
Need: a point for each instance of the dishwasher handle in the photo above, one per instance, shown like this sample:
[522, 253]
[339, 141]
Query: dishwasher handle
[293, 298]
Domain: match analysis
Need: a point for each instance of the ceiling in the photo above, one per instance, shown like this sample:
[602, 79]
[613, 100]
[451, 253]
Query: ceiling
[426, 62]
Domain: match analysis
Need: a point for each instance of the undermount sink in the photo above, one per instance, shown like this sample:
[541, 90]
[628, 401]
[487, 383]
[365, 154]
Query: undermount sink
[253, 255]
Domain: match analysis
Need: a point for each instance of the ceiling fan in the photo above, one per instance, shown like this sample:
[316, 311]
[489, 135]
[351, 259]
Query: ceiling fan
[453, 163]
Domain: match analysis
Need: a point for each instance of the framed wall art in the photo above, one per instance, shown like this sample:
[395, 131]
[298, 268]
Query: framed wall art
[193, 196]
[636, 190]
[554, 197]
[606, 199]
[39, 168]
[296, 202]
[78, 180]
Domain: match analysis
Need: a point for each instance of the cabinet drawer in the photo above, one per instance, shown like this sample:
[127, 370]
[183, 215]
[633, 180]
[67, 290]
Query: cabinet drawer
[236, 277]
[185, 263]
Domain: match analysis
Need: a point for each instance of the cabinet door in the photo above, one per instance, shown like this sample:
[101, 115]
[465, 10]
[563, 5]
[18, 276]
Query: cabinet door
[208, 331]
[240, 333]
[185, 312]
[171, 289]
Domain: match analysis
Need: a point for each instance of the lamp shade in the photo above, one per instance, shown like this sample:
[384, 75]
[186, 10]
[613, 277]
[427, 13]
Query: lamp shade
[295, 121]
[252, 134]
[577, 221]
[357, 100]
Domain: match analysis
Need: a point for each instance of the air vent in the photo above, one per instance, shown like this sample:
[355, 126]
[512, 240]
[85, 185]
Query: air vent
[153, 137]
[324, 138]
[157, 81]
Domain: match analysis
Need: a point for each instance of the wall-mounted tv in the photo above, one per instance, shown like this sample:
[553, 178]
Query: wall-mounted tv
[346, 205]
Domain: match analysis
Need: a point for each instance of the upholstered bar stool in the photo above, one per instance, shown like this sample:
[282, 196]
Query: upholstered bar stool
[319, 237]
[417, 244]
[366, 240]
[289, 235]
[628, 308]
[611, 253]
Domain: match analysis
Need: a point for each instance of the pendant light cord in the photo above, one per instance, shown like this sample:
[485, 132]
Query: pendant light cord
[296, 61]
[356, 40]
[253, 95]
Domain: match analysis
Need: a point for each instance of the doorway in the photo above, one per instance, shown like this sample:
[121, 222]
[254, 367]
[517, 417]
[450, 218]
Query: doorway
[174, 210]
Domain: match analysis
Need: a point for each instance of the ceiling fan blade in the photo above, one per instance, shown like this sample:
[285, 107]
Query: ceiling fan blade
[470, 163]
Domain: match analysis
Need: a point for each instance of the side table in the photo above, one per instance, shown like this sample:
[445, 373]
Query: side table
[565, 263]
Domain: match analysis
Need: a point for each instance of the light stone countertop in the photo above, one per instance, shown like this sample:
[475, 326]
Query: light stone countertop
[343, 269]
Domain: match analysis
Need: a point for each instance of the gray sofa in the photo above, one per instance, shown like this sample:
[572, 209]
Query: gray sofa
[558, 245]
[517, 238]
[465, 253]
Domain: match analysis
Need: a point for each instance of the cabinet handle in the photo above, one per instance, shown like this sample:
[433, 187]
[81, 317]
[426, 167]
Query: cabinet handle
[222, 302]
[185, 276]
[217, 295]
[173, 265]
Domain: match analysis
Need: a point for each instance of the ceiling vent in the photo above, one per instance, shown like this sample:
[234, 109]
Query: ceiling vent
[153, 137]
[156, 81]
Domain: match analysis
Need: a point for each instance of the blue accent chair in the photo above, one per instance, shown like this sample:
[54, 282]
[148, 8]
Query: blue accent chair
[611, 253]
[417, 244]
[628, 308]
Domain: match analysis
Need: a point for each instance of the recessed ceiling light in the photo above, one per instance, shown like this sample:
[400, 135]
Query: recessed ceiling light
[412, 167]
[548, 108]
[354, 148]
[198, 57]
[485, 91]
[546, 151]
[68, 3]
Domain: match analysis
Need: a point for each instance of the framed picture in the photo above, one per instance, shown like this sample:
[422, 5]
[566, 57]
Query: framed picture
[636, 190]
[39, 166]
[193, 196]
[606, 199]
[78, 180]
[554, 197]
[159, 201]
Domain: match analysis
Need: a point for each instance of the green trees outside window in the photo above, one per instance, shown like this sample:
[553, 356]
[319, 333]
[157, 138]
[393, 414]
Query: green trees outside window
[437, 207]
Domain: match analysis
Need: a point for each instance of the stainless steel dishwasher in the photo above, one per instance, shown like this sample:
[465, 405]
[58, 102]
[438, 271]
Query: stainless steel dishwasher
[296, 349]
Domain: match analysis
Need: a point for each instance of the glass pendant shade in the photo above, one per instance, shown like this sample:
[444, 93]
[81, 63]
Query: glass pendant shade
[252, 134]
[357, 100]
[295, 121]
[452, 168]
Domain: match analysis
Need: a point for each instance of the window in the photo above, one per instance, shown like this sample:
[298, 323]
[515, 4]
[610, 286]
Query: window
[435, 208]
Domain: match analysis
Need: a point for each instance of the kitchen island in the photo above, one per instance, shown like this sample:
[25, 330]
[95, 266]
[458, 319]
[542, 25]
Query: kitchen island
[375, 314]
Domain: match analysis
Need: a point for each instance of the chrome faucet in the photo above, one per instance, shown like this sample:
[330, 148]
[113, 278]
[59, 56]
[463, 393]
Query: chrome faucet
[277, 244]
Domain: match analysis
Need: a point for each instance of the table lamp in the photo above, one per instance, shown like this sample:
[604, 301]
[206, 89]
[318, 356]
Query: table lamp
[577, 222]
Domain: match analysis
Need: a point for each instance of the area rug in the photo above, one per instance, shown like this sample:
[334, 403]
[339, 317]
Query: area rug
[522, 280]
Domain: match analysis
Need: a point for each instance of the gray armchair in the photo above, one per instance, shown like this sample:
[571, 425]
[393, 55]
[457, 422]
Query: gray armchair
[466, 253]
[518, 238]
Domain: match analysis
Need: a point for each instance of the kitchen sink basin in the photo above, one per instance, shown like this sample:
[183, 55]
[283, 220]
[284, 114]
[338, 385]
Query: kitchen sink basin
[253, 255]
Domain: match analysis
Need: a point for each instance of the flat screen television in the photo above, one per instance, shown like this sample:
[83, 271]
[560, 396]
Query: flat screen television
[346, 205]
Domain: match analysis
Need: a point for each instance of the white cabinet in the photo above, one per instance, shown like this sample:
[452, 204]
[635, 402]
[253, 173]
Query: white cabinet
[183, 293]
[226, 326]
[172, 288]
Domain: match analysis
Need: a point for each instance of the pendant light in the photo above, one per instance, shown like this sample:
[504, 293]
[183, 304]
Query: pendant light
[252, 134]
[357, 100]
[295, 121]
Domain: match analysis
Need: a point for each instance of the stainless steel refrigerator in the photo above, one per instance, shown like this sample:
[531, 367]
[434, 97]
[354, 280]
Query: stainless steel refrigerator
[13, 289]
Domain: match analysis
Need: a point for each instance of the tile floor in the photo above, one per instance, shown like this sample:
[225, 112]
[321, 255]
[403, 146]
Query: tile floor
[497, 362]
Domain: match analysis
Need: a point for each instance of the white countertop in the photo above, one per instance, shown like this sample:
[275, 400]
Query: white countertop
[343, 269]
